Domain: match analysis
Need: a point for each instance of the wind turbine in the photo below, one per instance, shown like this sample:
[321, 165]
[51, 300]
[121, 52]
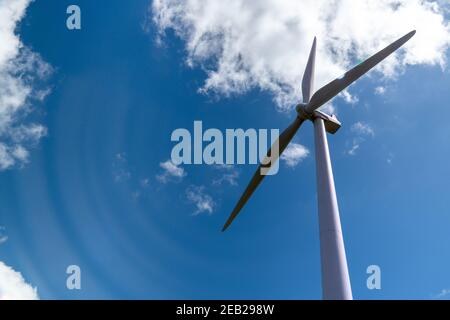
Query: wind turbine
[335, 277]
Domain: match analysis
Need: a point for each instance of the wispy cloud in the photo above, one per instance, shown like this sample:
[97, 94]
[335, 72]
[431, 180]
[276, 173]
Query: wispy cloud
[362, 131]
[3, 236]
[228, 174]
[145, 182]
[124, 175]
[22, 75]
[13, 286]
[349, 98]
[202, 201]
[294, 154]
[266, 45]
[390, 158]
[170, 172]
[355, 146]
[121, 171]
[380, 90]
[442, 294]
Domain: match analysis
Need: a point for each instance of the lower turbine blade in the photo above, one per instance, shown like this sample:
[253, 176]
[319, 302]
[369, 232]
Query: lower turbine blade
[283, 141]
[332, 89]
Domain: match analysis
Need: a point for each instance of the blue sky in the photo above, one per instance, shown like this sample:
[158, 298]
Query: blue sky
[91, 193]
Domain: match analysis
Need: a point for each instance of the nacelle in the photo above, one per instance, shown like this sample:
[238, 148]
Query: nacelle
[332, 124]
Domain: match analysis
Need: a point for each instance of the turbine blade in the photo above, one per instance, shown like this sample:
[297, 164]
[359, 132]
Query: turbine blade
[308, 76]
[332, 89]
[283, 141]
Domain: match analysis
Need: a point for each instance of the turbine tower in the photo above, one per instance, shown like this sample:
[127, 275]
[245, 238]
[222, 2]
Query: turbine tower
[335, 277]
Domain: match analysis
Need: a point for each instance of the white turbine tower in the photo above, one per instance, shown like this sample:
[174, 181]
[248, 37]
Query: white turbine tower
[335, 277]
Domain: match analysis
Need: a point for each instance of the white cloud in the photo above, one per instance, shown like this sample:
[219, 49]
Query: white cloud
[229, 174]
[362, 129]
[21, 75]
[135, 195]
[145, 182]
[443, 293]
[380, 90]
[265, 44]
[355, 146]
[3, 236]
[390, 158]
[121, 171]
[13, 285]
[202, 201]
[294, 154]
[350, 99]
[329, 108]
[170, 171]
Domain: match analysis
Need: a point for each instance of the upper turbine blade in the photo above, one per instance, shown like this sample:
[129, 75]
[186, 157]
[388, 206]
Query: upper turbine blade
[329, 91]
[308, 76]
[283, 141]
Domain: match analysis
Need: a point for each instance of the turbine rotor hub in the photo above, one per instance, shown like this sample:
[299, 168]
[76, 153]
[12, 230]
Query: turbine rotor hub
[302, 113]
